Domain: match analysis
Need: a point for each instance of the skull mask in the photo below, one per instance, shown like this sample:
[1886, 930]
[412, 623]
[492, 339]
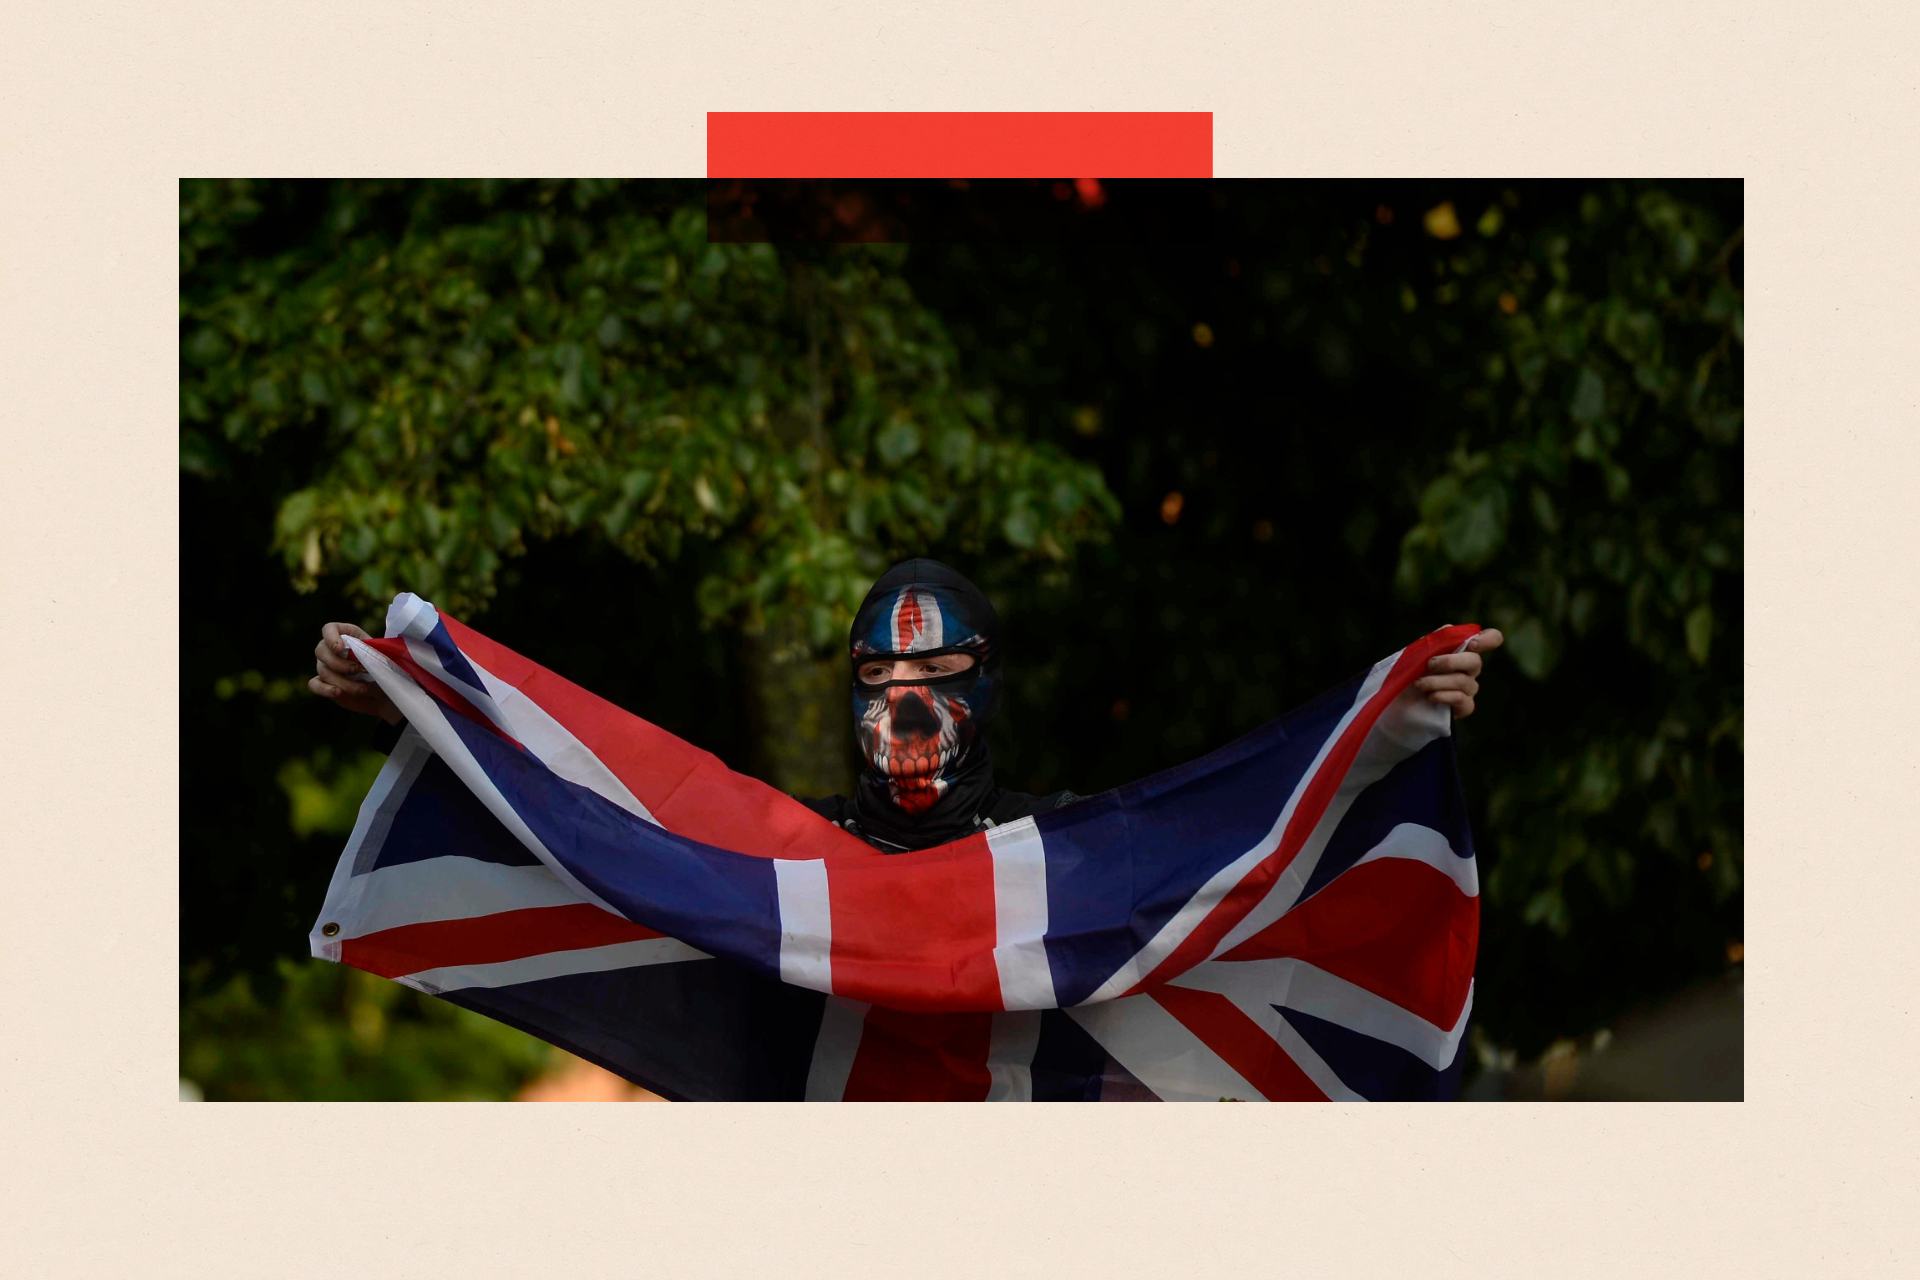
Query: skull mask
[920, 736]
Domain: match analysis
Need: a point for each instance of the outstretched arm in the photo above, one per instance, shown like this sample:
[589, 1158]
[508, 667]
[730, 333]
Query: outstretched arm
[1454, 678]
[335, 668]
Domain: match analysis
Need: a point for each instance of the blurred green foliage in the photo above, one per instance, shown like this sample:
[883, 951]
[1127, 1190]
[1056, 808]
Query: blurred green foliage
[1339, 416]
[491, 362]
[331, 1033]
[324, 795]
[1593, 494]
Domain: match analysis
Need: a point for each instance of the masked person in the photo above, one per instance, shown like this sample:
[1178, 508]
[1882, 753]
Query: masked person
[926, 680]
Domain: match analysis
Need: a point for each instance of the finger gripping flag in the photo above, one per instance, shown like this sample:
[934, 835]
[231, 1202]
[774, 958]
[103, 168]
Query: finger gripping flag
[1292, 917]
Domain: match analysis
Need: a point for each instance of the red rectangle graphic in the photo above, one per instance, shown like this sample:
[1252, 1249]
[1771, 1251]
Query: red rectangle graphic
[959, 144]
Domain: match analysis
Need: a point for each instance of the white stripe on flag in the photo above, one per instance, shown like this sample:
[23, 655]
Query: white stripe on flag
[842, 1022]
[1253, 984]
[1010, 1056]
[1311, 1064]
[1424, 844]
[806, 923]
[1020, 915]
[430, 719]
[524, 720]
[556, 746]
[370, 826]
[402, 769]
[1161, 1053]
[553, 964]
[1197, 908]
[1407, 724]
[451, 888]
[1258, 1004]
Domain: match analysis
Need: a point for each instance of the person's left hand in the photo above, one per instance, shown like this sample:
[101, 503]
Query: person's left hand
[1454, 678]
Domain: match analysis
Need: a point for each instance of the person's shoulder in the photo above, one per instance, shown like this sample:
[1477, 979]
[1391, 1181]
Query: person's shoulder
[1011, 806]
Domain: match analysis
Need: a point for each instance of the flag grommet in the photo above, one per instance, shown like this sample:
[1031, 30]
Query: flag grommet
[329, 929]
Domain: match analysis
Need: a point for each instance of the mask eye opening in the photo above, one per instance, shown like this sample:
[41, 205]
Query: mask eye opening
[888, 660]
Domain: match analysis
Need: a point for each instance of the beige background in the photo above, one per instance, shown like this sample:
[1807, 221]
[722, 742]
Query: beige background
[104, 106]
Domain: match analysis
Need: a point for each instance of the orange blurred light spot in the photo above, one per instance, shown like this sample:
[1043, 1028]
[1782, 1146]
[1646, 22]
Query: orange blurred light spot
[1509, 303]
[1442, 222]
[571, 1079]
[1704, 861]
[1091, 193]
[1170, 507]
[1560, 1067]
[1736, 952]
[1383, 215]
[1203, 334]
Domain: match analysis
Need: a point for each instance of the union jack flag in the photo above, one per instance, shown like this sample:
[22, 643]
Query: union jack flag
[1291, 917]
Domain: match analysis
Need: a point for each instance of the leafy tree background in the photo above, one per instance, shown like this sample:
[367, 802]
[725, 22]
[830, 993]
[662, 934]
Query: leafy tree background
[1203, 478]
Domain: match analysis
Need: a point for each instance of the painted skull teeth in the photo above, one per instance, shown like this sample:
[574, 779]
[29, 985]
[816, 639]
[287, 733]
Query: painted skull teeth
[914, 755]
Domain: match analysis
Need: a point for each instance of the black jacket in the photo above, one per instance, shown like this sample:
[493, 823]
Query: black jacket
[1001, 807]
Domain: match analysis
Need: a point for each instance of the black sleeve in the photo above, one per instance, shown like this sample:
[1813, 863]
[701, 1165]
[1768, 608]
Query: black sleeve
[1011, 806]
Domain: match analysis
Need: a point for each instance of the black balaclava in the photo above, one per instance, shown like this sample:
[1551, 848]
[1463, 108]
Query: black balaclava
[927, 769]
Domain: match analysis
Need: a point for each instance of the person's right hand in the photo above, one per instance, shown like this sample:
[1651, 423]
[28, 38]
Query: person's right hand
[336, 666]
